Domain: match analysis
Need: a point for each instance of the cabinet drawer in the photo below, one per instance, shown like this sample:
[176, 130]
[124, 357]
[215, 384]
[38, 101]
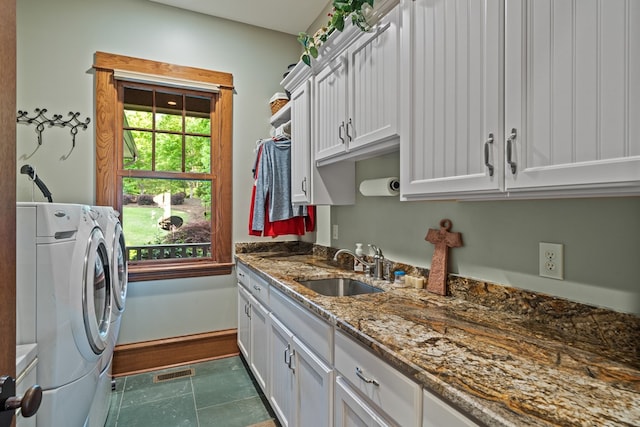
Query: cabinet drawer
[243, 274]
[391, 391]
[437, 413]
[313, 331]
[260, 289]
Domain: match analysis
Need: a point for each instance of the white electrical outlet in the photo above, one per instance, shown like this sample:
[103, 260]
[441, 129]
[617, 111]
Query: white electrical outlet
[551, 260]
[334, 234]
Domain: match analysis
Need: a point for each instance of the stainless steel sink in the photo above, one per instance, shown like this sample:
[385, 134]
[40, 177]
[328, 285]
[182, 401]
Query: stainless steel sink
[339, 287]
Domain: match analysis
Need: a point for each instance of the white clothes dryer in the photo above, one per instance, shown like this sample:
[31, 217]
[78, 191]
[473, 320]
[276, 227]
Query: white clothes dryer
[108, 220]
[73, 304]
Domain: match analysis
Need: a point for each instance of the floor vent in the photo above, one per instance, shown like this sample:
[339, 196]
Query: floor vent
[159, 378]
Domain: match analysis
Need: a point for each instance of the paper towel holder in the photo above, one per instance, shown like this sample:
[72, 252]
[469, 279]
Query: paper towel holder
[389, 186]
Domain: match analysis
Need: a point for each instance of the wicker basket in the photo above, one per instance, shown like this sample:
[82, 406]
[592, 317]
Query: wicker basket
[278, 101]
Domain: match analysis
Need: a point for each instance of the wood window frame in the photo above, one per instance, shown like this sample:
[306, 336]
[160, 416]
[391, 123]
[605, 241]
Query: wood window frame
[107, 149]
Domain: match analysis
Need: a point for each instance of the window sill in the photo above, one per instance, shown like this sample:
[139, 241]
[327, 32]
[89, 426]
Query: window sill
[161, 271]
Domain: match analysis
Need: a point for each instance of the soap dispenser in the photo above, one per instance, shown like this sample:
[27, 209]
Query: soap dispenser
[357, 265]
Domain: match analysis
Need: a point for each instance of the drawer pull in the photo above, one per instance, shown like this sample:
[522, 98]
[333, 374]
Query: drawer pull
[365, 379]
[257, 288]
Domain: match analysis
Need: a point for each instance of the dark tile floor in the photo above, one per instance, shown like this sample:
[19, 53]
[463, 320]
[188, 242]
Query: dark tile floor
[220, 393]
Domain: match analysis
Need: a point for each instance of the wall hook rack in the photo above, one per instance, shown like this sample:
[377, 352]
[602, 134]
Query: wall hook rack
[41, 120]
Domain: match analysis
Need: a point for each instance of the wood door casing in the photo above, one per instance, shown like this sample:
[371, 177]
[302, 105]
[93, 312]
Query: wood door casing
[8, 187]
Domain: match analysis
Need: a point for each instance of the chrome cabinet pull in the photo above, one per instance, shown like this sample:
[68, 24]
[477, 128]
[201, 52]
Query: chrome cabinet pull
[340, 129]
[287, 361]
[349, 125]
[292, 353]
[365, 379]
[510, 141]
[486, 154]
[257, 288]
[304, 185]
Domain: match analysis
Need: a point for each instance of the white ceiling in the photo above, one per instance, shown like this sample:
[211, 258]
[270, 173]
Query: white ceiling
[288, 16]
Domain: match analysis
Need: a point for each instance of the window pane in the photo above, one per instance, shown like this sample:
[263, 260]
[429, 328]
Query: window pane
[169, 111]
[138, 119]
[197, 154]
[137, 108]
[168, 152]
[166, 218]
[198, 112]
[137, 150]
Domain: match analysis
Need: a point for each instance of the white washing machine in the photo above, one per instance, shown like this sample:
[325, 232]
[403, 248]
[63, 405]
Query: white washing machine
[65, 247]
[108, 220]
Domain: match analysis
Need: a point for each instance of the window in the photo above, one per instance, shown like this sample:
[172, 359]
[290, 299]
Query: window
[163, 159]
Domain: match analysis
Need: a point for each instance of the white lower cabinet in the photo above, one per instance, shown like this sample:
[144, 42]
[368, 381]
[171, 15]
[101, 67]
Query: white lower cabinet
[388, 391]
[437, 413]
[259, 358]
[281, 387]
[244, 321]
[301, 386]
[314, 388]
[301, 355]
[289, 351]
[253, 324]
[352, 411]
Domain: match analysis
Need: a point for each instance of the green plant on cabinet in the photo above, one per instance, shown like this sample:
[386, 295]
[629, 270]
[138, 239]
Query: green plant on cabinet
[358, 10]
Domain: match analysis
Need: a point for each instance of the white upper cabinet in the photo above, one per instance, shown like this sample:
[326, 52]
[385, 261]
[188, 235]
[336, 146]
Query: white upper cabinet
[300, 144]
[331, 185]
[330, 90]
[356, 95]
[572, 79]
[451, 99]
[520, 98]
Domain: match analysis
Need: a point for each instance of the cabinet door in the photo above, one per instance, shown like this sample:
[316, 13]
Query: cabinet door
[330, 92]
[572, 94]
[353, 411]
[314, 388]
[300, 144]
[451, 98]
[282, 384]
[374, 86]
[259, 355]
[244, 322]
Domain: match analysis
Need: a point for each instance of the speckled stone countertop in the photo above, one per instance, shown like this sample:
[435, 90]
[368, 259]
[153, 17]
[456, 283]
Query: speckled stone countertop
[506, 357]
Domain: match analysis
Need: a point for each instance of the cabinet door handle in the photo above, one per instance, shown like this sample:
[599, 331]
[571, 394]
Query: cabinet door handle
[486, 154]
[292, 353]
[365, 379]
[287, 357]
[304, 185]
[340, 129]
[349, 125]
[510, 141]
[257, 288]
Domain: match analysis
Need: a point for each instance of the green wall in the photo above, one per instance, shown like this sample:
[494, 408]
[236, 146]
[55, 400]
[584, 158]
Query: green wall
[601, 238]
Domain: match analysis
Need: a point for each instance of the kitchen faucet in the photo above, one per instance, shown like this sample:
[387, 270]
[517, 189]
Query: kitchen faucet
[373, 269]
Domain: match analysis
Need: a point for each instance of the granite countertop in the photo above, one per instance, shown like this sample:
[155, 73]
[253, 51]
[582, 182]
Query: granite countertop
[505, 356]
